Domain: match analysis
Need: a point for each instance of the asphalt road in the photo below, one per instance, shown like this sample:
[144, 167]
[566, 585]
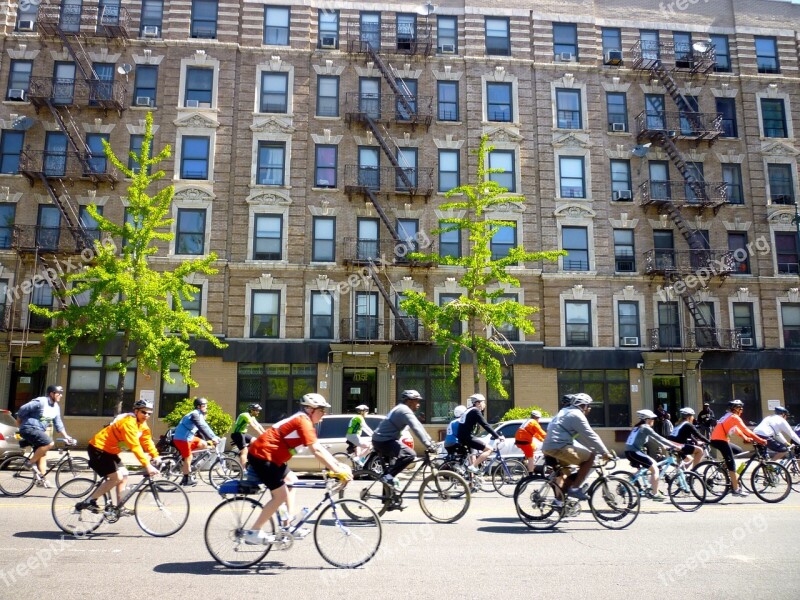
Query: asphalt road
[741, 548]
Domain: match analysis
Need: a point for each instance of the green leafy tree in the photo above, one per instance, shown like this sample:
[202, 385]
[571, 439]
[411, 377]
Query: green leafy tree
[482, 309]
[219, 421]
[522, 412]
[128, 300]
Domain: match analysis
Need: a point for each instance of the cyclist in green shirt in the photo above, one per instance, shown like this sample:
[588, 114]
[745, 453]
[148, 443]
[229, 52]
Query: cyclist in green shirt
[358, 426]
[239, 435]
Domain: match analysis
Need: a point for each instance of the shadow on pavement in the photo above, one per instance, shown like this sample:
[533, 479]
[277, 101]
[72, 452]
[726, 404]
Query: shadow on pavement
[210, 567]
[54, 535]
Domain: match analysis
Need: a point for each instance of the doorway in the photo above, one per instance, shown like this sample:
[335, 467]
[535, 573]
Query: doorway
[668, 394]
[359, 386]
[25, 386]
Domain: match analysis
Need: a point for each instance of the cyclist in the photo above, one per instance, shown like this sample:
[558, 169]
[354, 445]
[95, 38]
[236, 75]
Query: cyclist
[33, 419]
[386, 438]
[185, 439]
[451, 433]
[523, 439]
[635, 451]
[776, 430]
[731, 422]
[688, 435]
[270, 452]
[359, 434]
[568, 425]
[466, 425]
[239, 435]
[131, 430]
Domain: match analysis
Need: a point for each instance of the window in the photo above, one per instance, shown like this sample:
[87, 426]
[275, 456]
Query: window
[687, 126]
[578, 323]
[781, 184]
[786, 252]
[617, 106]
[144, 91]
[55, 154]
[325, 169]
[199, 86]
[498, 40]
[571, 174]
[96, 157]
[503, 240]
[370, 29]
[369, 102]
[651, 47]
[48, 227]
[327, 96]
[439, 393]
[275, 387]
[190, 231]
[612, 39]
[366, 316]
[412, 324]
[276, 25]
[408, 232]
[194, 157]
[444, 300]
[42, 297]
[266, 314]
[790, 314]
[767, 55]
[7, 214]
[706, 334]
[568, 109]
[271, 161]
[89, 223]
[737, 243]
[10, 149]
[367, 242]
[404, 111]
[446, 35]
[64, 85]
[321, 316]
[791, 391]
[669, 325]
[655, 114]
[171, 393]
[328, 28]
[3, 299]
[447, 100]
[610, 391]
[93, 386]
[722, 53]
[732, 176]
[103, 88]
[152, 13]
[726, 107]
[503, 159]
[774, 117]
[407, 159]
[565, 40]
[621, 180]
[204, 19]
[369, 167]
[575, 240]
[720, 386]
[323, 248]
[26, 15]
[696, 170]
[406, 32]
[744, 323]
[507, 330]
[136, 148]
[628, 320]
[499, 105]
[274, 92]
[449, 241]
[19, 79]
[496, 405]
[449, 176]
[624, 255]
[267, 237]
[194, 306]
[682, 45]
[659, 180]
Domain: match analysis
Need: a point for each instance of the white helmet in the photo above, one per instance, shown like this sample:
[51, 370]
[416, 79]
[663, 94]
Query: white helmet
[581, 399]
[476, 398]
[686, 411]
[362, 408]
[314, 401]
[535, 414]
[645, 414]
[459, 410]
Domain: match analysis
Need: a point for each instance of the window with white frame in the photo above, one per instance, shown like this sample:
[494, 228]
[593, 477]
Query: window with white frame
[325, 165]
[744, 323]
[628, 323]
[508, 331]
[781, 183]
[445, 299]
[267, 237]
[265, 318]
[621, 180]
[193, 305]
[449, 177]
[503, 240]
[194, 157]
[790, 317]
[323, 243]
[499, 102]
[578, 323]
[274, 92]
[575, 240]
[271, 163]
[624, 255]
[773, 116]
[505, 160]
[321, 326]
[568, 109]
[787, 253]
[199, 87]
[276, 25]
[571, 175]
[190, 231]
[327, 96]
[732, 176]
[449, 241]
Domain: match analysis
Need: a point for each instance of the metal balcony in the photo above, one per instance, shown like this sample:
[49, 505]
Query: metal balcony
[96, 21]
[389, 38]
[694, 338]
[369, 329]
[387, 108]
[697, 57]
[679, 125]
[358, 179]
[66, 166]
[380, 253]
[714, 263]
[679, 192]
[52, 240]
[78, 93]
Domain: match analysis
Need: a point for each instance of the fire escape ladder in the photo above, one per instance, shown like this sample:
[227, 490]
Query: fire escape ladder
[660, 71]
[71, 131]
[694, 310]
[51, 274]
[381, 134]
[400, 319]
[400, 89]
[78, 62]
[382, 214]
[76, 228]
[692, 236]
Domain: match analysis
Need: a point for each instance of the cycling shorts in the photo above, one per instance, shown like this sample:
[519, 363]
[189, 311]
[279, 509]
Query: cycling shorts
[687, 450]
[639, 459]
[726, 451]
[269, 473]
[474, 443]
[569, 455]
[103, 463]
[35, 437]
[527, 449]
[186, 447]
[776, 446]
[241, 440]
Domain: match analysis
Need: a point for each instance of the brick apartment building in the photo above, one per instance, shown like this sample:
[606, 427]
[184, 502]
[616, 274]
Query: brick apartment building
[655, 144]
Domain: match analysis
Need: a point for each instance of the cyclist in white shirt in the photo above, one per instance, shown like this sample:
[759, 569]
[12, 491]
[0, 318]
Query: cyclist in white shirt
[777, 431]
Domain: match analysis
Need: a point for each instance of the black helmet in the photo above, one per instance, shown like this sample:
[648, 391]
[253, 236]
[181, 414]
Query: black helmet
[198, 402]
[566, 399]
[255, 407]
[54, 388]
[410, 395]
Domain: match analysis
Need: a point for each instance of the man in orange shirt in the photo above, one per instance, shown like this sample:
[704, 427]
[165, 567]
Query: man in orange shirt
[525, 435]
[104, 448]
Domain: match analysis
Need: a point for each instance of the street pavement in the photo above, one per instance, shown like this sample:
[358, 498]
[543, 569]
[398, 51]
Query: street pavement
[741, 548]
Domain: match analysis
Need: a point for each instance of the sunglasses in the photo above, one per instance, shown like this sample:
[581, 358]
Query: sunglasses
[147, 413]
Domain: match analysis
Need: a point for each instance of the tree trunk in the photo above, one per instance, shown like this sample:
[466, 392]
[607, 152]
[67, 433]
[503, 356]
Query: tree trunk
[126, 342]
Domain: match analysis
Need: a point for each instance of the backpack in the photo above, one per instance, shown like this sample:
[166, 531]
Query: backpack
[164, 443]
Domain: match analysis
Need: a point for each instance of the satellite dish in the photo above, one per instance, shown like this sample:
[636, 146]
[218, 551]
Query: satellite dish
[124, 69]
[425, 9]
[22, 123]
[640, 150]
[701, 47]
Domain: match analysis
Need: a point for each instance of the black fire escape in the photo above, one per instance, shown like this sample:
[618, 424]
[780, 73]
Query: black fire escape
[403, 109]
[664, 129]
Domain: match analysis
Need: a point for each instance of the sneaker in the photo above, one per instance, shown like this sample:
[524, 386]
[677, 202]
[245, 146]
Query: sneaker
[577, 493]
[659, 497]
[188, 482]
[388, 479]
[741, 493]
[43, 483]
[90, 505]
[558, 504]
[257, 537]
[125, 512]
[473, 469]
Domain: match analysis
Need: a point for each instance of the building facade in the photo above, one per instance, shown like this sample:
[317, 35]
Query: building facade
[311, 149]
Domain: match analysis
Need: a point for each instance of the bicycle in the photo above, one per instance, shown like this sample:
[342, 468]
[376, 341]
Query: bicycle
[347, 532]
[443, 496]
[770, 481]
[792, 464]
[161, 507]
[17, 480]
[541, 503]
[459, 462]
[222, 466]
[686, 490]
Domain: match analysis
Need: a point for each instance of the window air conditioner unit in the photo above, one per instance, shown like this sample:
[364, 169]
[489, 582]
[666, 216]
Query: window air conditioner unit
[327, 41]
[16, 94]
[746, 341]
[622, 195]
[150, 31]
[630, 341]
[143, 100]
[566, 57]
[26, 25]
[613, 57]
[448, 49]
[618, 127]
[192, 104]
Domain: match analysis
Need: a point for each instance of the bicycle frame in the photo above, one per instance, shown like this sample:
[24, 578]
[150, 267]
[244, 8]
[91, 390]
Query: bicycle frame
[64, 455]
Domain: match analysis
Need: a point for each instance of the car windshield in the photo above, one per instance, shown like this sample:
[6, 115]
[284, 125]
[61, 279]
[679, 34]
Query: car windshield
[335, 426]
[7, 419]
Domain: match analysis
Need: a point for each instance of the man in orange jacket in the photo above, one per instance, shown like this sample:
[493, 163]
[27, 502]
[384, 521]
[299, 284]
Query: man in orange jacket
[131, 430]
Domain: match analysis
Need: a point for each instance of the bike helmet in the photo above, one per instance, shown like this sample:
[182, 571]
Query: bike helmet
[314, 401]
[535, 414]
[736, 404]
[686, 411]
[198, 402]
[475, 398]
[143, 404]
[645, 414]
[581, 400]
[362, 408]
[54, 388]
[779, 410]
[255, 407]
[459, 410]
[410, 395]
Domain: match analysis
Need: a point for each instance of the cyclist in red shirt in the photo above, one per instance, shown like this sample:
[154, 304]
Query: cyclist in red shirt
[269, 454]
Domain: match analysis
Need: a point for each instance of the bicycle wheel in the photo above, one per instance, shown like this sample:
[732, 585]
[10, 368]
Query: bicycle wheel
[716, 478]
[794, 470]
[171, 468]
[614, 502]
[506, 475]
[368, 488]
[373, 464]
[161, 508]
[539, 502]
[73, 467]
[687, 491]
[67, 517]
[636, 482]
[224, 469]
[223, 533]
[347, 533]
[15, 478]
[444, 497]
[771, 482]
[746, 476]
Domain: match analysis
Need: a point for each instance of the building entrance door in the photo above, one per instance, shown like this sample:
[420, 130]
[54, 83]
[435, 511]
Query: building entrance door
[25, 386]
[668, 394]
[359, 386]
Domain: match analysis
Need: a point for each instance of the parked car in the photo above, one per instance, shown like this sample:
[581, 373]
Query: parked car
[507, 429]
[9, 444]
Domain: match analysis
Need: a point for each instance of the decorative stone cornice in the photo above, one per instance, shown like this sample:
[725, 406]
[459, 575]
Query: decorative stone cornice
[572, 211]
[407, 72]
[725, 92]
[448, 143]
[503, 134]
[196, 121]
[447, 74]
[192, 194]
[737, 225]
[328, 69]
[103, 56]
[146, 59]
[268, 198]
[730, 157]
[624, 222]
[139, 129]
[326, 137]
[778, 148]
[98, 127]
[571, 140]
[619, 153]
[509, 206]
[616, 86]
[272, 125]
[22, 53]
